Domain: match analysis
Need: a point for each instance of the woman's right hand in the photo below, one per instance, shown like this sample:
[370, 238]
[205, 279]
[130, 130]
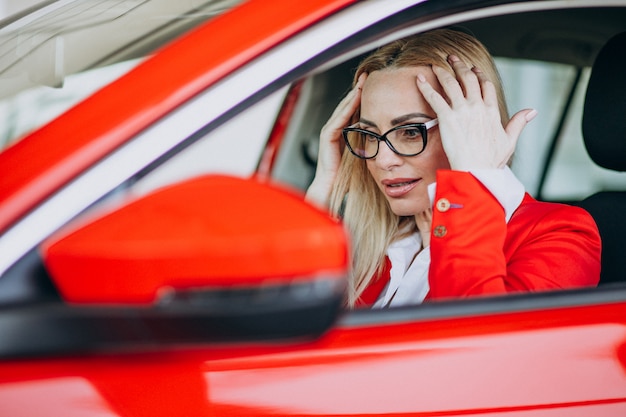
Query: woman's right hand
[470, 123]
[331, 145]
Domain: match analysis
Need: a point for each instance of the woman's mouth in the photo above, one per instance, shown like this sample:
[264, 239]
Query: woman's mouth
[398, 187]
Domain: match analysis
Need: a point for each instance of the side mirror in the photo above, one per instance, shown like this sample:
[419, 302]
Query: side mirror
[244, 252]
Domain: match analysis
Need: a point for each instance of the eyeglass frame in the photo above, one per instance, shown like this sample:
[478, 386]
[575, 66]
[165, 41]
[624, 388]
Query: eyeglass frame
[423, 128]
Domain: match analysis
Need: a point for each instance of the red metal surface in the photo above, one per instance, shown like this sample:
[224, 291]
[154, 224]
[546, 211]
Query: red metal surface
[195, 234]
[569, 361]
[48, 158]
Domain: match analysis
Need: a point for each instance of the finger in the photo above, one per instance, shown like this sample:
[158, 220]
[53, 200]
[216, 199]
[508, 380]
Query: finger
[518, 122]
[450, 85]
[432, 96]
[489, 95]
[361, 80]
[466, 78]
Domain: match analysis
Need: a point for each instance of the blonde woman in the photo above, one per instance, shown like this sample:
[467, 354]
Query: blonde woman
[414, 159]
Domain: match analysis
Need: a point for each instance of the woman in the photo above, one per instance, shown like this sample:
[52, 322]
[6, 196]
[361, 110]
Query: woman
[424, 187]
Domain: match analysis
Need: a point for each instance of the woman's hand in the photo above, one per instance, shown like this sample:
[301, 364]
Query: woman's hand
[331, 145]
[469, 121]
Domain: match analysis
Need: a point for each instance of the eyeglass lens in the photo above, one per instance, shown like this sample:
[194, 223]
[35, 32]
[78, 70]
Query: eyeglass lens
[405, 140]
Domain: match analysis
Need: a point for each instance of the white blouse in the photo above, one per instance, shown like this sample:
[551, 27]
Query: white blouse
[408, 283]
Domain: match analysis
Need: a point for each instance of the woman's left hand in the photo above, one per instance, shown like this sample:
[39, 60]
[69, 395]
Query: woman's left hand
[471, 130]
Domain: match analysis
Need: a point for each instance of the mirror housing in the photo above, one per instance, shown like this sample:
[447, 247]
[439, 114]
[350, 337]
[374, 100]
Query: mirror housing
[228, 246]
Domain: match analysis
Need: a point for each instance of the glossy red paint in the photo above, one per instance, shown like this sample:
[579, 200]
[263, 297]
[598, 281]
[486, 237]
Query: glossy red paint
[168, 240]
[103, 122]
[479, 365]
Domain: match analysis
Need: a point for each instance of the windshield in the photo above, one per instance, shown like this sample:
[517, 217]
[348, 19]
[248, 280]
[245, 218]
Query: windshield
[60, 53]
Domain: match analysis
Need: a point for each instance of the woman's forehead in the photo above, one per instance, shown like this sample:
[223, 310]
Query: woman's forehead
[391, 93]
[397, 80]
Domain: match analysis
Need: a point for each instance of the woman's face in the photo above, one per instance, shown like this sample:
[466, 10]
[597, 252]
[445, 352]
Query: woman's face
[390, 98]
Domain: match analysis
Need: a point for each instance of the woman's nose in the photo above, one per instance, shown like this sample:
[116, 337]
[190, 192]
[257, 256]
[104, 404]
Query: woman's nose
[386, 158]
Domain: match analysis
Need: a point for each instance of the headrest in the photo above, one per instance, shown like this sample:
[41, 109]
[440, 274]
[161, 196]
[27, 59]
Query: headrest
[604, 115]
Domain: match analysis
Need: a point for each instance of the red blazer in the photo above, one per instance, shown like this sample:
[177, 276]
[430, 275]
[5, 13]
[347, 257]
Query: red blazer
[475, 252]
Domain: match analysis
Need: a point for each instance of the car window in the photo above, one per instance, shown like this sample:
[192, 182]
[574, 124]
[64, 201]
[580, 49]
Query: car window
[234, 148]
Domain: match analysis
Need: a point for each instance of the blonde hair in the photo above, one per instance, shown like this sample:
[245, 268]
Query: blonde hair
[365, 210]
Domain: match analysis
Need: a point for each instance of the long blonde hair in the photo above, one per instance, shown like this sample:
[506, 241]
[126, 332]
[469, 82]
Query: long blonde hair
[355, 196]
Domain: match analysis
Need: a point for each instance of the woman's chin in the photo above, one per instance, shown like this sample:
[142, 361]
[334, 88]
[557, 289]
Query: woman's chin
[406, 209]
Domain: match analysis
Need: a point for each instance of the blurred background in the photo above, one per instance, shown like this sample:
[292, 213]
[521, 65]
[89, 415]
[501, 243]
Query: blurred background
[9, 7]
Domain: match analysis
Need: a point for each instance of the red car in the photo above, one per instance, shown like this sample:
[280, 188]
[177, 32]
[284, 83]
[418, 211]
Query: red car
[157, 255]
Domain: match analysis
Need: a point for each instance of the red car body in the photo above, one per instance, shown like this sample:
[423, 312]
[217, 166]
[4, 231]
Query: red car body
[483, 365]
[551, 354]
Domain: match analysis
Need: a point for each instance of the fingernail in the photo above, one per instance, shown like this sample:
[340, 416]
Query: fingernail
[476, 70]
[421, 78]
[453, 58]
[531, 115]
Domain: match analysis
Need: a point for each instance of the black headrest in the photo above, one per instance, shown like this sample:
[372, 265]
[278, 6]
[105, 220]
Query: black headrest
[604, 115]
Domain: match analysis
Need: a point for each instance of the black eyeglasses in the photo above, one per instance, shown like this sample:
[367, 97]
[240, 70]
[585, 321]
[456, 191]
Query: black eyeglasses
[405, 140]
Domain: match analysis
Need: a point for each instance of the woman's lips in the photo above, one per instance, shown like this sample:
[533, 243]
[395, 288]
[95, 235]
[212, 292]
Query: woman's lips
[398, 187]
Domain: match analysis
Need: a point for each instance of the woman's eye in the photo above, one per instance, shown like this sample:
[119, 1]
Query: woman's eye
[370, 138]
[411, 133]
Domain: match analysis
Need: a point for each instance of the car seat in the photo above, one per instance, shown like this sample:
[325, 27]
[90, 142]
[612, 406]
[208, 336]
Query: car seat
[603, 129]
